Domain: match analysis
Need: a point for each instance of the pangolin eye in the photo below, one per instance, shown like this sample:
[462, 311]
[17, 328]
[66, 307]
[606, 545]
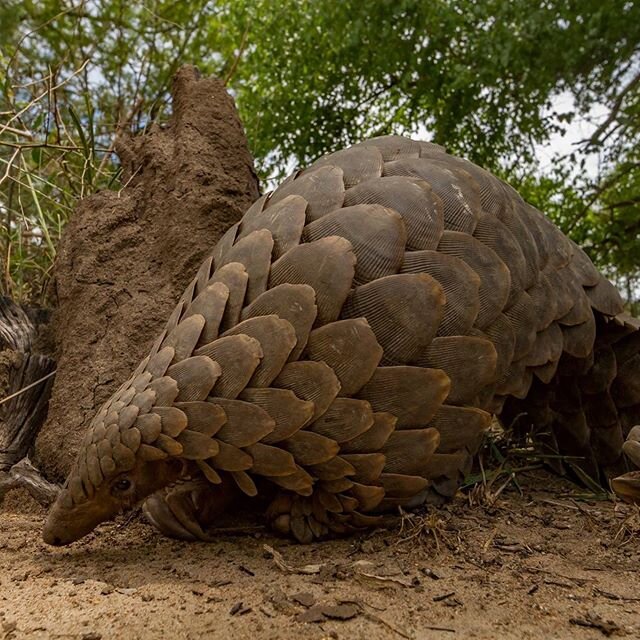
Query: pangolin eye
[123, 484]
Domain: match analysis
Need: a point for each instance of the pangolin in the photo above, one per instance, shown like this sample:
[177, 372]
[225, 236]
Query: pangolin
[342, 351]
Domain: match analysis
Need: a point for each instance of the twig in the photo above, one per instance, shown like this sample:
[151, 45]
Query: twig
[29, 386]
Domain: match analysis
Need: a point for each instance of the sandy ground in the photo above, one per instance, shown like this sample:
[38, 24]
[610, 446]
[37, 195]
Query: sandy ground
[545, 564]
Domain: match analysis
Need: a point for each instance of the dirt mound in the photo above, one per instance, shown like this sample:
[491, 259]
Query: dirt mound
[126, 256]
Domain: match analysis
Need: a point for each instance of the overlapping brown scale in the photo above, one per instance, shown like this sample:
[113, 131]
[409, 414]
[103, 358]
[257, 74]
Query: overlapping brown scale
[408, 452]
[508, 215]
[144, 401]
[459, 427]
[350, 348]
[460, 197]
[581, 265]
[530, 216]
[492, 193]
[517, 381]
[245, 483]
[336, 486]
[184, 337]
[627, 346]
[557, 244]
[393, 147]
[571, 367]
[344, 420]
[210, 303]
[495, 278]
[257, 208]
[195, 377]
[333, 469]
[203, 275]
[495, 235]
[292, 302]
[400, 487]
[604, 297]
[277, 339]
[607, 442]
[601, 411]
[246, 422]
[377, 236]
[322, 188]
[404, 312]
[578, 339]
[469, 361]
[299, 482]
[460, 283]
[572, 432]
[368, 466]
[547, 347]
[173, 421]
[203, 417]
[562, 288]
[235, 278]
[172, 323]
[412, 198]
[223, 246]
[238, 357]
[284, 220]
[368, 496]
[315, 382]
[449, 465]
[167, 444]
[230, 458]
[411, 394]
[254, 253]
[149, 426]
[543, 298]
[327, 265]
[271, 461]
[545, 372]
[626, 386]
[196, 445]
[358, 163]
[375, 437]
[580, 311]
[520, 315]
[166, 390]
[310, 448]
[158, 364]
[429, 149]
[289, 412]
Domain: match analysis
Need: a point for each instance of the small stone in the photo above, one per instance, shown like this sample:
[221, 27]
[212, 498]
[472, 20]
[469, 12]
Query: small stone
[311, 615]
[236, 608]
[340, 611]
[304, 598]
[92, 635]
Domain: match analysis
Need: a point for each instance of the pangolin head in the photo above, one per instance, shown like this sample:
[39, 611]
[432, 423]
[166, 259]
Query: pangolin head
[123, 458]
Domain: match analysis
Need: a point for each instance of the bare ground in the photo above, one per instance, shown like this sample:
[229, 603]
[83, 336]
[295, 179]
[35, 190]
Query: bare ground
[543, 564]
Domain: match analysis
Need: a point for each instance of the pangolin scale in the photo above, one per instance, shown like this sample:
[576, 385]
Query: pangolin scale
[343, 348]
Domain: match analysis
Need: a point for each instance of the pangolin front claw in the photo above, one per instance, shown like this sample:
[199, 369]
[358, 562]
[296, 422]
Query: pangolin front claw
[627, 486]
[176, 511]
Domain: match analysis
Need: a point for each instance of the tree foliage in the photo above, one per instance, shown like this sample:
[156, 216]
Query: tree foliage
[482, 78]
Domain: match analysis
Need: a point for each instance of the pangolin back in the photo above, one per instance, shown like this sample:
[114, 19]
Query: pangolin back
[345, 345]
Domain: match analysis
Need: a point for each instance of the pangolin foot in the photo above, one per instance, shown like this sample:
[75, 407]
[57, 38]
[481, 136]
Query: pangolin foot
[184, 509]
[627, 486]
